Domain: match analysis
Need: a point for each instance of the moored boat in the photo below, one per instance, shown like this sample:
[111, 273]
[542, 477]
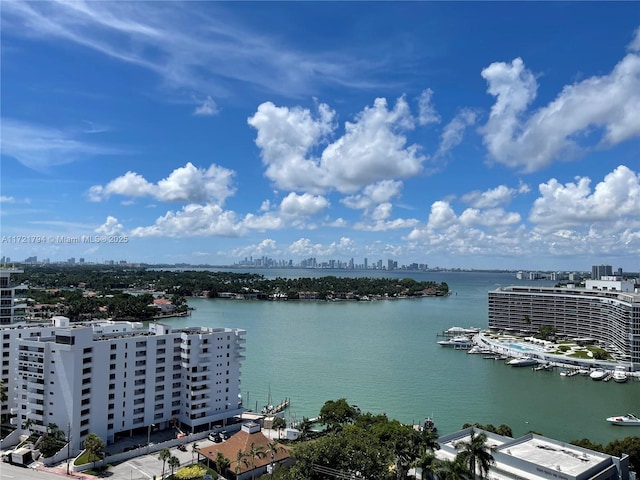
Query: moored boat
[523, 362]
[620, 374]
[628, 420]
[597, 374]
[457, 342]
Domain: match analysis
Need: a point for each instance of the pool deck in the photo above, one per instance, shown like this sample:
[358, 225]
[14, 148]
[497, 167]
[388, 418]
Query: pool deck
[518, 347]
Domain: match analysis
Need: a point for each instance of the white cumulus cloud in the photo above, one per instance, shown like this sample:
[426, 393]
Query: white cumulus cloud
[372, 148]
[494, 197]
[184, 184]
[303, 205]
[374, 194]
[110, 227]
[569, 124]
[615, 200]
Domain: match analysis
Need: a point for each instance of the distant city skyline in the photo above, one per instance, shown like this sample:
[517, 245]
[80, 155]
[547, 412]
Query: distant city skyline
[596, 271]
[473, 135]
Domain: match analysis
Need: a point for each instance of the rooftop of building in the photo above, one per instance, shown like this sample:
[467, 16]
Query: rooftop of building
[530, 457]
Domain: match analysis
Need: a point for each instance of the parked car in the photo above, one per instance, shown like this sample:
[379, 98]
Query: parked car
[215, 437]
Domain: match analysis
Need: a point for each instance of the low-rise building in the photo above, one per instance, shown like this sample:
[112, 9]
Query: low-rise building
[249, 451]
[534, 457]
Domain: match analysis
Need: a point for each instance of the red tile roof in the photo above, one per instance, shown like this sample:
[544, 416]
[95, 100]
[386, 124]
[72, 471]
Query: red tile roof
[242, 441]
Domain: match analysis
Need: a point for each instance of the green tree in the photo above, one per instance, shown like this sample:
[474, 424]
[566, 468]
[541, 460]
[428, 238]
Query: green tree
[406, 448]
[353, 449]
[3, 394]
[94, 446]
[173, 462]
[249, 460]
[278, 424]
[194, 450]
[425, 463]
[52, 441]
[240, 456]
[273, 448]
[451, 470]
[163, 456]
[222, 463]
[26, 425]
[336, 413]
[426, 458]
[304, 428]
[476, 453]
[546, 331]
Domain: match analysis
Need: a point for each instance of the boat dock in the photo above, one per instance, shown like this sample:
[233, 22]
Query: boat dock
[273, 409]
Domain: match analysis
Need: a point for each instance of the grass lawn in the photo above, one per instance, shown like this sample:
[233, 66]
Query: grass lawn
[193, 472]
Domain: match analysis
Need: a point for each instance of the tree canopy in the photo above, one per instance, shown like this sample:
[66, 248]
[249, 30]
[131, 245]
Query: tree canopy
[336, 413]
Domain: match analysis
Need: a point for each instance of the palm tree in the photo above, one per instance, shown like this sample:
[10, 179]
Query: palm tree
[425, 462]
[279, 423]
[194, 449]
[3, 393]
[222, 463]
[450, 470]
[426, 457]
[273, 448]
[304, 427]
[164, 455]
[249, 459]
[406, 449]
[240, 456]
[476, 454]
[94, 446]
[173, 462]
[27, 425]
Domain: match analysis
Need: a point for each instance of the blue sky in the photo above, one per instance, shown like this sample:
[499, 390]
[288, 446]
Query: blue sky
[478, 135]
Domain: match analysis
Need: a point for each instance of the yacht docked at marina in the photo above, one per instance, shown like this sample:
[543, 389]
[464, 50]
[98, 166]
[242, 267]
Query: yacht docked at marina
[620, 374]
[461, 342]
[523, 362]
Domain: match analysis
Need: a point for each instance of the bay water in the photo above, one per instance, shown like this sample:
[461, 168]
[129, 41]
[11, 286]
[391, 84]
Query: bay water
[383, 356]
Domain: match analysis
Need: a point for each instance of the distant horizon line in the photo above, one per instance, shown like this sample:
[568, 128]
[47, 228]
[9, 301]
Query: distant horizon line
[293, 267]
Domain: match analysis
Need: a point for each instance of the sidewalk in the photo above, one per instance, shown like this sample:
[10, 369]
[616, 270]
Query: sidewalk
[62, 470]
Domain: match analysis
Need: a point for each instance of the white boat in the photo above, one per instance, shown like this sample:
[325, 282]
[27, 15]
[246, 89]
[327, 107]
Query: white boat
[457, 342]
[462, 331]
[597, 374]
[620, 374]
[628, 420]
[477, 349]
[523, 362]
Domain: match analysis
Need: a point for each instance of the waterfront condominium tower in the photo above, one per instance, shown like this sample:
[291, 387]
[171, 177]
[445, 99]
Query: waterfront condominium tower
[117, 378]
[605, 311]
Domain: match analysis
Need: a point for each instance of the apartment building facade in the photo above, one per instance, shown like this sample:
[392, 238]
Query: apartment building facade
[609, 317]
[117, 379]
[12, 297]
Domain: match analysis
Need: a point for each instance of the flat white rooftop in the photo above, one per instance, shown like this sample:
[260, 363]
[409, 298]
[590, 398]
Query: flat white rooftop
[555, 456]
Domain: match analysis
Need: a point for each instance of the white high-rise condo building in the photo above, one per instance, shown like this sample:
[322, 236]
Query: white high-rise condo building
[603, 311]
[12, 297]
[117, 379]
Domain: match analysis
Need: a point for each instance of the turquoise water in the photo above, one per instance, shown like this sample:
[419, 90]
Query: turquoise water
[383, 356]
